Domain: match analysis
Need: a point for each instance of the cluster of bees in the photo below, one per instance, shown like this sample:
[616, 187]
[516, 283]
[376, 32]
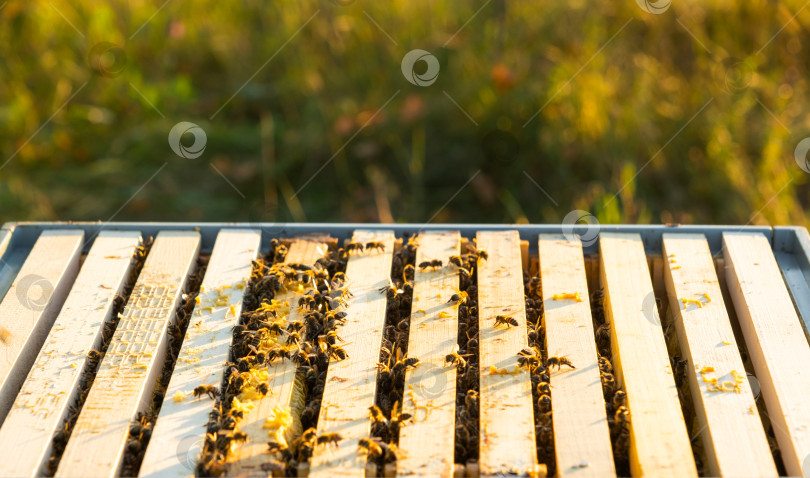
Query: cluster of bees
[615, 399]
[93, 359]
[140, 429]
[266, 335]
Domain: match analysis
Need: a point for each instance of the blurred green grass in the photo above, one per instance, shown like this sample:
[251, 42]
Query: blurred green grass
[689, 116]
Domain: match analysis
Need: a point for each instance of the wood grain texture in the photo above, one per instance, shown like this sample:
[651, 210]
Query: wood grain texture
[506, 408]
[426, 443]
[581, 429]
[248, 458]
[31, 305]
[659, 443]
[134, 360]
[351, 383]
[52, 385]
[732, 433]
[775, 340]
[180, 426]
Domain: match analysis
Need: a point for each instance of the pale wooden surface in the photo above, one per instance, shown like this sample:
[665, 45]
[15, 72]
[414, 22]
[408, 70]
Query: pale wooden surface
[775, 340]
[732, 433]
[506, 409]
[351, 383]
[426, 443]
[202, 356]
[52, 385]
[659, 443]
[32, 304]
[248, 457]
[134, 360]
[580, 424]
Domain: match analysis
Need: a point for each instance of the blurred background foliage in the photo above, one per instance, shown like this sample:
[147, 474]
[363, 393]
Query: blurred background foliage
[687, 116]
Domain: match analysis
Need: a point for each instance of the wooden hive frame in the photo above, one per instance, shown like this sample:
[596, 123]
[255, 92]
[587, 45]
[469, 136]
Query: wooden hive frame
[728, 300]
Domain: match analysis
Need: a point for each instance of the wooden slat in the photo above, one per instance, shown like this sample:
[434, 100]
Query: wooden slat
[775, 340]
[426, 444]
[32, 304]
[507, 416]
[732, 433]
[659, 443]
[52, 385]
[581, 429]
[202, 356]
[134, 360]
[351, 383]
[247, 458]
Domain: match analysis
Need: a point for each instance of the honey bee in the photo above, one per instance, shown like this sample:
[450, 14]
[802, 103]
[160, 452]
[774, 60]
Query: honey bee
[528, 358]
[456, 261]
[263, 388]
[505, 320]
[454, 358]
[618, 399]
[369, 447]
[327, 438]
[479, 254]
[408, 273]
[433, 264]
[337, 353]
[543, 388]
[459, 296]
[544, 403]
[376, 246]
[558, 362]
[353, 247]
[533, 287]
[210, 390]
[376, 414]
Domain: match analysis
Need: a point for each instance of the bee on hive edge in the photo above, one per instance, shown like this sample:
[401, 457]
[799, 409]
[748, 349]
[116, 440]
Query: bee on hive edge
[353, 247]
[209, 390]
[379, 246]
[456, 261]
[369, 447]
[454, 358]
[433, 264]
[505, 320]
[558, 362]
[328, 438]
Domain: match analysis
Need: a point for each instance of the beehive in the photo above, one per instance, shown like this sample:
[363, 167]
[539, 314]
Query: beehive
[587, 351]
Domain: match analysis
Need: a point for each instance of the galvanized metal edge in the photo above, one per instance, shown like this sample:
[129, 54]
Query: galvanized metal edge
[27, 232]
